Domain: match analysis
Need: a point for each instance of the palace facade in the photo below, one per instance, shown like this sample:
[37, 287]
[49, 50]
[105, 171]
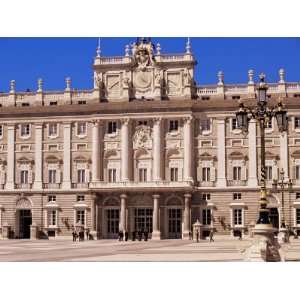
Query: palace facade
[145, 149]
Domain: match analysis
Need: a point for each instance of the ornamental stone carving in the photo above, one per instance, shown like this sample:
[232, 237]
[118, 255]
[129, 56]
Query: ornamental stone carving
[143, 53]
[142, 137]
[23, 203]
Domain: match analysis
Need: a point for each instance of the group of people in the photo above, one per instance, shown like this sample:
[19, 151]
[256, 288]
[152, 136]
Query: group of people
[136, 235]
[79, 234]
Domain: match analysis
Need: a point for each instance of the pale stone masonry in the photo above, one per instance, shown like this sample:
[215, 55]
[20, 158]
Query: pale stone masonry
[145, 149]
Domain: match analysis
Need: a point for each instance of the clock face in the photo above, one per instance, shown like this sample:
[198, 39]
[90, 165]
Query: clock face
[143, 79]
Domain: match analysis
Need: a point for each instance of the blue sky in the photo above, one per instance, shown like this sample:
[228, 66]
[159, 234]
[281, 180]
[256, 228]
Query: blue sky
[26, 59]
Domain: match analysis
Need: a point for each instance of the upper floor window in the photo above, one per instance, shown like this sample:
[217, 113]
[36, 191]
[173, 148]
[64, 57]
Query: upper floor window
[52, 129]
[51, 198]
[298, 216]
[237, 173]
[269, 124]
[173, 125]
[80, 216]
[269, 172]
[237, 216]
[205, 197]
[24, 177]
[1, 131]
[142, 175]
[81, 102]
[52, 176]
[234, 124]
[112, 175]
[206, 174]
[236, 97]
[174, 174]
[81, 176]
[205, 125]
[25, 129]
[53, 217]
[81, 128]
[297, 195]
[297, 170]
[237, 196]
[80, 198]
[297, 122]
[206, 216]
[112, 127]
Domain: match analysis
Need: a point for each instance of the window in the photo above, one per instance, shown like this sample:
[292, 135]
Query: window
[53, 103]
[205, 98]
[206, 216]
[235, 97]
[174, 174]
[237, 171]
[112, 175]
[25, 129]
[53, 218]
[51, 198]
[297, 195]
[297, 95]
[52, 129]
[144, 122]
[81, 102]
[25, 104]
[269, 171]
[81, 128]
[173, 125]
[269, 124]
[234, 124]
[142, 175]
[80, 216]
[237, 196]
[205, 197]
[1, 130]
[206, 174]
[24, 177]
[112, 127]
[80, 198]
[237, 217]
[81, 176]
[298, 216]
[297, 175]
[297, 122]
[52, 176]
[205, 125]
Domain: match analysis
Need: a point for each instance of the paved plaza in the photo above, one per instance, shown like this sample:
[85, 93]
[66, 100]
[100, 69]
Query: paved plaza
[223, 249]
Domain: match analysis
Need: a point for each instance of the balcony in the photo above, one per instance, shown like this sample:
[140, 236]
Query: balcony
[51, 185]
[81, 185]
[236, 182]
[206, 183]
[24, 186]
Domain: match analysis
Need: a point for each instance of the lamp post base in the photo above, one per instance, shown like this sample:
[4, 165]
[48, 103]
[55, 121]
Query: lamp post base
[264, 247]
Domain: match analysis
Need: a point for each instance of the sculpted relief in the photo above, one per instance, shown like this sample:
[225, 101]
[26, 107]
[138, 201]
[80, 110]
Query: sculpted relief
[142, 137]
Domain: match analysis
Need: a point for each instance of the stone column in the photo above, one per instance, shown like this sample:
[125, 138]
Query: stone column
[252, 148]
[96, 161]
[186, 216]
[157, 150]
[10, 183]
[125, 150]
[122, 224]
[38, 157]
[284, 154]
[221, 172]
[188, 148]
[67, 156]
[155, 220]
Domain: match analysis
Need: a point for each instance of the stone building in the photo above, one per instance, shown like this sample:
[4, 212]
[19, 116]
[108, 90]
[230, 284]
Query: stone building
[145, 149]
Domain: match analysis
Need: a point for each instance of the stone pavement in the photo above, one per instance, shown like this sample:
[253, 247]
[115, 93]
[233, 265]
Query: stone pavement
[223, 249]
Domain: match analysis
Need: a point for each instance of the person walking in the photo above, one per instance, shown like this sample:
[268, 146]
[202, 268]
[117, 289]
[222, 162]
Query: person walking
[87, 232]
[126, 236]
[133, 236]
[197, 236]
[211, 236]
[240, 235]
[74, 235]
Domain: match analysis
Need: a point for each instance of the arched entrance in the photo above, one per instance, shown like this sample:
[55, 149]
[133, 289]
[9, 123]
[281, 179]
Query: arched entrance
[111, 218]
[273, 205]
[23, 218]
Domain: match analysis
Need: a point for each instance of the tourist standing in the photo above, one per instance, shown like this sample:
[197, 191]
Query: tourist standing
[87, 232]
[211, 236]
[197, 236]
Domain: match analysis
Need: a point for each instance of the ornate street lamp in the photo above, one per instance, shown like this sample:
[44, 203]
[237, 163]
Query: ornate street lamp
[262, 114]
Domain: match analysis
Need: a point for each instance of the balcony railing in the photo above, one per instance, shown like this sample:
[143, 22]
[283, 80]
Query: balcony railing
[23, 185]
[51, 185]
[206, 183]
[82, 185]
[236, 182]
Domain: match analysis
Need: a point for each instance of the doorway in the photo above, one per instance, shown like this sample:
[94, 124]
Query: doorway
[25, 218]
[174, 215]
[112, 225]
[143, 219]
[274, 217]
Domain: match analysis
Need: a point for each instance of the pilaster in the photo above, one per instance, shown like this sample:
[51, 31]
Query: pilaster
[38, 178]
[67, 156]
[221, 172]
[10, 183]
[252, 148]
[188, 148]
[156, 235]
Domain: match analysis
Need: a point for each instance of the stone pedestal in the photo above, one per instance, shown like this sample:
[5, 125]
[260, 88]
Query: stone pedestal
[264, 247]
[33, 231]
[155, 235]
[93, 235]
[6, 231]
[283, 236]
[251, 228]
[197, 227]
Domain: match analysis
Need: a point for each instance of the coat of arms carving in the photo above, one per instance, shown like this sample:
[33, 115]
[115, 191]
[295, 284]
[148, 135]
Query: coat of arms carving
[142, 137]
